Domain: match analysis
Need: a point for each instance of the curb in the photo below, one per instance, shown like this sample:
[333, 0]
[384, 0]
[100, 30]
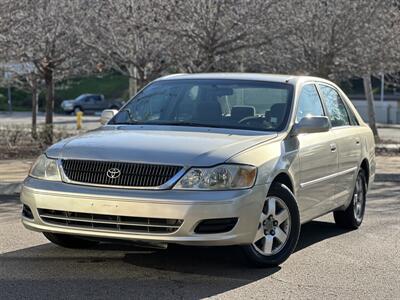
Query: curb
[8, 188]
[15, 187]
[382, 177]
[391, 126]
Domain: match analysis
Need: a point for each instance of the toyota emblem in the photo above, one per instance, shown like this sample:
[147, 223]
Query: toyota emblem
[113, 173]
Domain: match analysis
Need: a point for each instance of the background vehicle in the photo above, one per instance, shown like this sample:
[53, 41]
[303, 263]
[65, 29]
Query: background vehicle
[209, 159]
[89, 103]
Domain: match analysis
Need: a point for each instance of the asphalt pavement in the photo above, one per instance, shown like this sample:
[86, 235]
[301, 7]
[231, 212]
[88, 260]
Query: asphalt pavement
[329, 263]
[61, 121]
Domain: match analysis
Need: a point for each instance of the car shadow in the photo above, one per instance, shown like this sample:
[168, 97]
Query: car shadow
[127, 271]
[317, 231]
[220, 261]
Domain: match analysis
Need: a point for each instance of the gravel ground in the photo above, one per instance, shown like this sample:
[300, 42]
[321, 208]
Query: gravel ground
[329, 263]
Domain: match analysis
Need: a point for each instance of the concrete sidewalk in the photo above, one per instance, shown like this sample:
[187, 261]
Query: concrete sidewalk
[387, 168]
[13, 172]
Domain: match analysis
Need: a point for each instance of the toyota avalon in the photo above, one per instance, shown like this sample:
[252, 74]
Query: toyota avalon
[208, 160]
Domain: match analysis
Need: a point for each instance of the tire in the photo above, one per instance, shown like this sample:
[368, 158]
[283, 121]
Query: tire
[352, 217]
[77, 109]
[69, 241]
[270, 229]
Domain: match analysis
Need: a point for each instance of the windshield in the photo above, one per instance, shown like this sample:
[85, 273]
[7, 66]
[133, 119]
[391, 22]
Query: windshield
[240, 104]
[81, 97]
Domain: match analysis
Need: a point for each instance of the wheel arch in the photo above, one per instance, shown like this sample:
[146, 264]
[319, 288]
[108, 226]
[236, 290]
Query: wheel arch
[285, 179]
[365, 166]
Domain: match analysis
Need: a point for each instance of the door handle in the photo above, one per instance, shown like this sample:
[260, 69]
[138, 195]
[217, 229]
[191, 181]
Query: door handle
[333, 147]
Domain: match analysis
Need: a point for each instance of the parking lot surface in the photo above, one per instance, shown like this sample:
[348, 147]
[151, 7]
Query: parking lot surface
[329, 263]
[61, 121]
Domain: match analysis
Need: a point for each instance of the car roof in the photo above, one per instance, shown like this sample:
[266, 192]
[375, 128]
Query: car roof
[87, 94]
[292, 79]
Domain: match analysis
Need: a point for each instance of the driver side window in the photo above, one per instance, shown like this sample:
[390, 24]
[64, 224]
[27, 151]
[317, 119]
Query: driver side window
[309, 103]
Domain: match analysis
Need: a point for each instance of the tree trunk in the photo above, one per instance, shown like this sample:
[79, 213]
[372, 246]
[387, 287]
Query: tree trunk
[35, 106]
[371, 105]
[49, 80]
[133, 86]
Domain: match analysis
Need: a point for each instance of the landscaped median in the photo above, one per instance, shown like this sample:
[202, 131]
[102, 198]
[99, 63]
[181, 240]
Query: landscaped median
[13, 172]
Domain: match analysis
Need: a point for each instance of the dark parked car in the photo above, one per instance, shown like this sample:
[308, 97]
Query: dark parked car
[89, 103]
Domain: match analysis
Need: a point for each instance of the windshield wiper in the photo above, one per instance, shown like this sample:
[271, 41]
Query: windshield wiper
[129, 123]
[185, 123]
[189, 124]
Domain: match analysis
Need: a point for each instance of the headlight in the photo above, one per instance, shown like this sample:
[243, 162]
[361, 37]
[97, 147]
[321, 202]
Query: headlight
[45, 168]
[66, 103]
[222, 177]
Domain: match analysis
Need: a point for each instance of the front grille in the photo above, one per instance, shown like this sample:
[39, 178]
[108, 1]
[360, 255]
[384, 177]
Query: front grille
[131, 174]
[110, 222]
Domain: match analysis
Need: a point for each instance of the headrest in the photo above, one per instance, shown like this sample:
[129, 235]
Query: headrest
[240, 112]
[276, 113]
[208, 111]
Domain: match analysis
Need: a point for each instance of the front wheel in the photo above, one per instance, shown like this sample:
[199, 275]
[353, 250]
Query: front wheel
[353, 216]
[77, 110]
[278, 229]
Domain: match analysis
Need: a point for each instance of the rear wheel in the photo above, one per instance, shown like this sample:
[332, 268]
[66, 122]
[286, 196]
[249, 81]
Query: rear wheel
[278, 229]
[69, 241]
[353, 216]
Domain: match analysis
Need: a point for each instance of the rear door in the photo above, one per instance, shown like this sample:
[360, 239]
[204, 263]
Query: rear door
[347, 139]
[88, 103]
[318, 159]
[101, 103]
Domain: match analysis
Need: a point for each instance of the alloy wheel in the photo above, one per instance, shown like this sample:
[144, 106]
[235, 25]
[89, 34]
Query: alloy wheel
[273, 228]
[358, 199]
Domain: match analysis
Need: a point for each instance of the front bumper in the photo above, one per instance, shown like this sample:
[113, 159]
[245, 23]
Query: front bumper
[67, 109]
[190, 206]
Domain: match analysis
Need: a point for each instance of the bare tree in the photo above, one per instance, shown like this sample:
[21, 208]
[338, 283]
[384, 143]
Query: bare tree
[144, 39]
[214, 35]
[25, 77]
[123, 34]
[339, 40]
[40, 33]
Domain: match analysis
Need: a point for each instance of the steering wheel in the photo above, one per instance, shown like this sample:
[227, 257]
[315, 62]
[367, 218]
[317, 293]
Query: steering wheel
[253, 121]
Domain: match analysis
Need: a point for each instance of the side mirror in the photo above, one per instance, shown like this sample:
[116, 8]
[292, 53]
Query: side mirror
[107, 115]
[311, 125]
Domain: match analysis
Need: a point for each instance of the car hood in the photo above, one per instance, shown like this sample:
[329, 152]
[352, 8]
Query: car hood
[187, 146]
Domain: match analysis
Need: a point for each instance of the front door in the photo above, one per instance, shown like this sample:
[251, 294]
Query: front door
[347, 139]
[318, 158]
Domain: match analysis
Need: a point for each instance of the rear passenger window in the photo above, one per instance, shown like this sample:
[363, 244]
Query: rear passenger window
[353, 119]
[309, 103]
[335, 106]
